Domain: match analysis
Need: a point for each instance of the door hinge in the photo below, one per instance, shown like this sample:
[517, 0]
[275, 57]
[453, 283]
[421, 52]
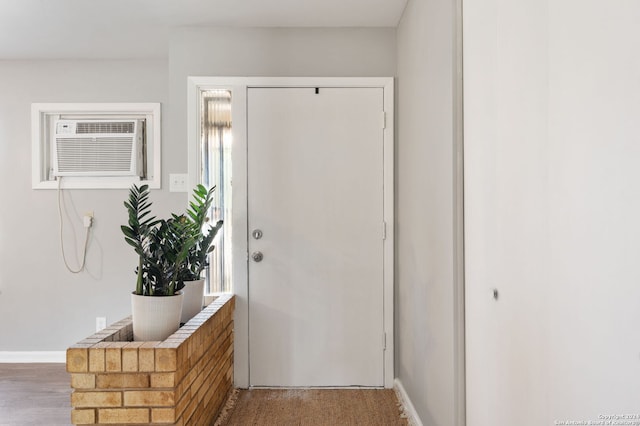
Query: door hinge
[384, 341]
[384, 230]
[384, 119]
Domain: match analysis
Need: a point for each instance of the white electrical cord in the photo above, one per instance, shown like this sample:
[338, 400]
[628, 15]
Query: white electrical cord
[87, 225]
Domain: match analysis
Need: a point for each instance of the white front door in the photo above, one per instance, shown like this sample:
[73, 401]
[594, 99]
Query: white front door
[315, 193]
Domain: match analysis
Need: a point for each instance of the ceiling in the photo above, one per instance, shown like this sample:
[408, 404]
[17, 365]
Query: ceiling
[50, 29]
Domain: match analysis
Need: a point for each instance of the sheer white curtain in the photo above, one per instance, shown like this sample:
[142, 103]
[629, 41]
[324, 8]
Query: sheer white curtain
[215, 169]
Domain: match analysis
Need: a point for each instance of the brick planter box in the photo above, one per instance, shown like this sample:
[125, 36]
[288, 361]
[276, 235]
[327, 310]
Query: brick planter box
[183, 380]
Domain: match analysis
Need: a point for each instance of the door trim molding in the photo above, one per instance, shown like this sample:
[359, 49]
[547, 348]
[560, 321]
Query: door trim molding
[238, 87]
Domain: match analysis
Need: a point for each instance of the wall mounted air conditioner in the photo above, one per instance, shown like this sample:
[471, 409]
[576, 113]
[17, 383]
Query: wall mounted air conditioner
[98, 148]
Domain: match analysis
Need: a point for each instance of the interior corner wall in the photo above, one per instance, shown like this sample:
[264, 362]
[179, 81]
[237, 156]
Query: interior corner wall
[425, 197]
[43, 307]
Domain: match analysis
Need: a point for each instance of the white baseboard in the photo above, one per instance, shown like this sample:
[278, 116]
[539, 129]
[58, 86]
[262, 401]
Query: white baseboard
[33, 357]
[407, 406]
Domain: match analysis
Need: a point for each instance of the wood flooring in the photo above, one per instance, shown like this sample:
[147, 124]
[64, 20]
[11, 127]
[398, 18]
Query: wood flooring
[34, 394]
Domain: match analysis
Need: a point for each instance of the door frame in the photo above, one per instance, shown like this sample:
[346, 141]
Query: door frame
[239, 87]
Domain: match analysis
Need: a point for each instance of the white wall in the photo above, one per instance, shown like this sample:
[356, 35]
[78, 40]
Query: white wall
[65, 305]
[42, 306]
[274, 52]
[551, 184]
[270, 52]
[594, 191]
[426, 320]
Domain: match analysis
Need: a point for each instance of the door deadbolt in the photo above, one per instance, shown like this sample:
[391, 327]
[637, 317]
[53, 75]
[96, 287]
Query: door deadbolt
[257, 234]
[257, 256]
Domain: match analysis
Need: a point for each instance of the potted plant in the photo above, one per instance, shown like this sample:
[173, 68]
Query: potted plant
[162, 247]
[198, 256]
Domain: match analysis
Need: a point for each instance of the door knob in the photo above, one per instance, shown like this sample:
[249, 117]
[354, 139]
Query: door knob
[257, 256]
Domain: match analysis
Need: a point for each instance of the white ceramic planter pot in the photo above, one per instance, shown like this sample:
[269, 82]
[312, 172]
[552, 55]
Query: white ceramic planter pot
[155, 317]
[193, 299]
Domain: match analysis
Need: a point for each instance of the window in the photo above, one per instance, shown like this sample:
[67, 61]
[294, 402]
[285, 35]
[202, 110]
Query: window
[215, 170]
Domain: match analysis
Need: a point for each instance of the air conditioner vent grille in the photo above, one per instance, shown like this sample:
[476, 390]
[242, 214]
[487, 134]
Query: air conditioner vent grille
[102, 154]
[105, 127]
